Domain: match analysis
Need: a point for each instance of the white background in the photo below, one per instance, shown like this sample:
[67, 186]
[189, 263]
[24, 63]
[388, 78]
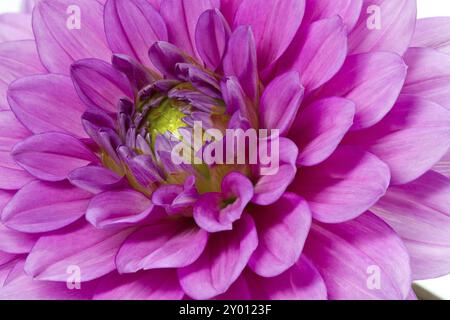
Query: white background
[426, 8]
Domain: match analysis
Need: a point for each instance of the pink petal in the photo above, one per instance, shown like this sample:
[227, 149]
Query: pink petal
[181, 17]
[96, 179]
[211, 37]
[16, 242]
[281, 101]
[301, 282]
[282, 231]
[320, 128]
[272, 37]
[99, 84]
[420, 213]
[348, 10]
[44, 206]
[443, 166]
[428, 75]
[149, 285]
[17, 59]
[165, 244]
[397, 19]
[372, 81]
[240, 61]
[433, 33]
[352, 256]
[118, 208]
[317, 53]
[413, 137]
[270, 187]
[214, 213]
[344, 186]
[90, 249]
[15, 26]
[223, 260]
[47, 103]
[51, 156]
[20, 286]
[60, 45]
[132, 27]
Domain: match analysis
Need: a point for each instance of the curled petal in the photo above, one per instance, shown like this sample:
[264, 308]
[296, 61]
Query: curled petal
[222, 262]
[282, 231]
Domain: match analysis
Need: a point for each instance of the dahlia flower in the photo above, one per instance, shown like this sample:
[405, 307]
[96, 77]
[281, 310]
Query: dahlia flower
[95, 95]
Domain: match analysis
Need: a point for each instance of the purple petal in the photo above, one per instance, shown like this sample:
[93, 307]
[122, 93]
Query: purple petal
[149, 285]
[44, 206]
[240, 61]
[269, 188]
[59, 40]
[20, 286]
[344, 186]
[12, 241]
[165, 244]
[420, 213]
[372, 81]
[223, 260]
[12, 177]
[15, 26]
[132, 27]
[397, 20]
[272, 37]
[348, 10]
[353, 256]
[90, 249]
[17, 59]
[320, 128]
[136, 73]
[282, 231]
[411, 139]
[62, 109]
[95, 179]
[51, 156]
[165, 58]
[280, 102]
[301, 282]
[428, 75]
[318, 53]
[118, 209]
[211, 37]
[181, 17]
[432, 33]
[216, 212]
[99, 84]
[443, 166]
